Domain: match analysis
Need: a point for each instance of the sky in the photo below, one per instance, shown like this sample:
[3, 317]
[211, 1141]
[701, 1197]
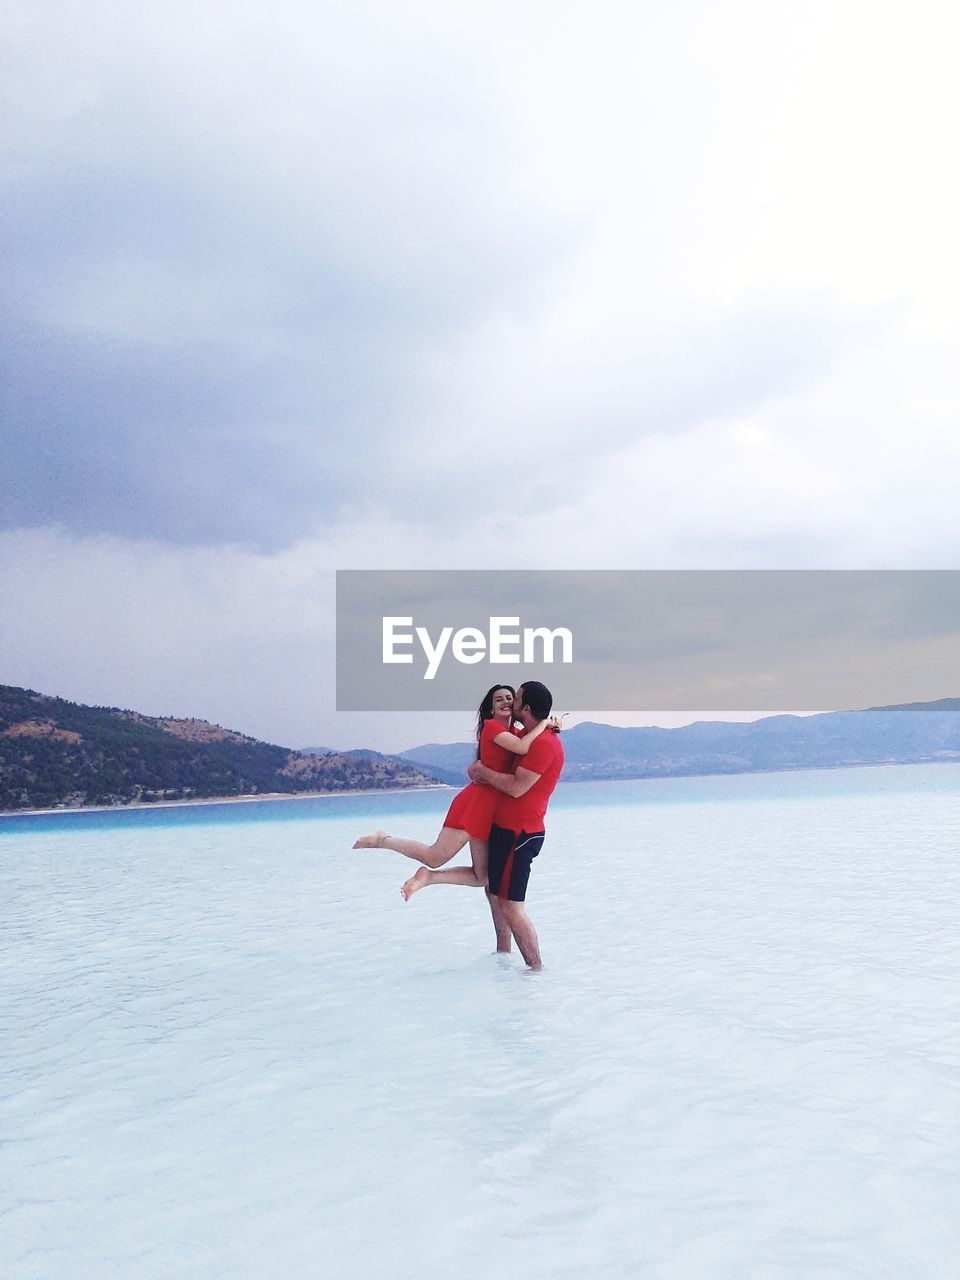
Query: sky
[315, 286]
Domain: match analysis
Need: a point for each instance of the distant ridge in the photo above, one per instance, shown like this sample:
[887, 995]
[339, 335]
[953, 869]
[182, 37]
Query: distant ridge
[55, 753]
[913, 733]
[60, 754]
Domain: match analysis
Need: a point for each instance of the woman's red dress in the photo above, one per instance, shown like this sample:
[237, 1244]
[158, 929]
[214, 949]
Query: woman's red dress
[472, 808]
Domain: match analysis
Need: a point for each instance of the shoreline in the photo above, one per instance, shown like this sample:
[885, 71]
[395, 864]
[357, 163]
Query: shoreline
[200, 800]
[951, 759]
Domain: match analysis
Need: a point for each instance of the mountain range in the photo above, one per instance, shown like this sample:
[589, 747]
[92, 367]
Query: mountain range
[907, 734]
[60, 754]
[55, 753]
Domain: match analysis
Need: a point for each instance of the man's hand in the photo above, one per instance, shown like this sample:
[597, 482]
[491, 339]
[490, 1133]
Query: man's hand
[476, 771]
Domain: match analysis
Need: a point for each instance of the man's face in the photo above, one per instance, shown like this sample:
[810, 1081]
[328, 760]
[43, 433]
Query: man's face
[518, 704]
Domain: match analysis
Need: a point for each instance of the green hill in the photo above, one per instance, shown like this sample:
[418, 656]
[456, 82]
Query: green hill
[59, 753]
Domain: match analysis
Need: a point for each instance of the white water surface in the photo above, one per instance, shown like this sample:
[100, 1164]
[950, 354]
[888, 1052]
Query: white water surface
[229, 1049]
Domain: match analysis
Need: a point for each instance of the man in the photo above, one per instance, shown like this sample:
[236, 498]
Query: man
[517, 833]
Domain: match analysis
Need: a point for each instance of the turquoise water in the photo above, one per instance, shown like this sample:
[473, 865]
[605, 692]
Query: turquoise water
[716, 789]
[230, 1049]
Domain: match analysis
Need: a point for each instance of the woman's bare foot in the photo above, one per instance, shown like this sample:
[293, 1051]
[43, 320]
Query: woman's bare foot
[371, 842]
[416, 881]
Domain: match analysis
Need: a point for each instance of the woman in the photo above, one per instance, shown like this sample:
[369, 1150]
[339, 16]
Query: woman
[470, 816]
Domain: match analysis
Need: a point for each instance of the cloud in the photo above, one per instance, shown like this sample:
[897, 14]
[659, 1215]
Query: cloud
[222, 632]
[264, 264]
[309, 286]
[209, 319]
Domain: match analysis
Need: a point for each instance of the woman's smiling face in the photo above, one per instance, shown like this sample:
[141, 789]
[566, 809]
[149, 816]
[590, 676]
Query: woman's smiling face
[502, 704]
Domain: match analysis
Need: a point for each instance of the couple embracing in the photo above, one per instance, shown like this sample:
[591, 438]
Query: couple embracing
[500, 813]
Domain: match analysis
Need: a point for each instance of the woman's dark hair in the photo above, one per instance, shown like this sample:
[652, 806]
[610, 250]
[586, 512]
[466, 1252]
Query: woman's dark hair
[486, 709]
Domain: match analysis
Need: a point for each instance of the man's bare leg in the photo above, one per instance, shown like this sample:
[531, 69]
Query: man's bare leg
[446, 846]
[504, 936]
[474, 876]
[521, 926]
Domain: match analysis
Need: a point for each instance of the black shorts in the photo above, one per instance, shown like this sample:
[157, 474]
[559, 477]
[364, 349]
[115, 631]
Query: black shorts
[509, 856]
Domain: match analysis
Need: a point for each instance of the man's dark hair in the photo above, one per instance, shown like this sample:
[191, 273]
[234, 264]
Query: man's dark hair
[538, 698]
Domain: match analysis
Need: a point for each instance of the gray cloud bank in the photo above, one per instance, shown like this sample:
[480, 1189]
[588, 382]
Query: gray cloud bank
[259, 268]
[225, 277]
[300, 287]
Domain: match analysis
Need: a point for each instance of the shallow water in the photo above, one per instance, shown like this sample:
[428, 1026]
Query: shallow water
[230, 1049]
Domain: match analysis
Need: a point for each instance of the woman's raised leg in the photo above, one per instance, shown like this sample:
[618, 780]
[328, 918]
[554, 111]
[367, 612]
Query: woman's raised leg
[473, 877]
[447, 844]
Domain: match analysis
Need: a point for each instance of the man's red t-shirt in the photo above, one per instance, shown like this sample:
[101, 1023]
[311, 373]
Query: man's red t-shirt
[526, 812]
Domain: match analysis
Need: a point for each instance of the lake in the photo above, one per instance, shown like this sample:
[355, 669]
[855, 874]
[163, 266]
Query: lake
[231, 1050]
